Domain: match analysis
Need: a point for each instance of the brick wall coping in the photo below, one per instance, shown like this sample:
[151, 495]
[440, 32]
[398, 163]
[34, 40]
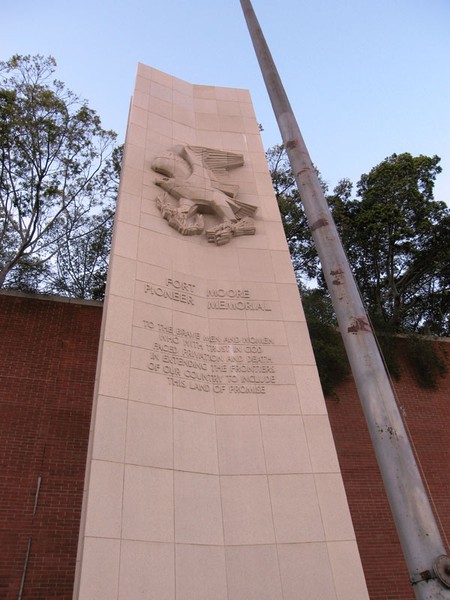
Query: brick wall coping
[51, 298]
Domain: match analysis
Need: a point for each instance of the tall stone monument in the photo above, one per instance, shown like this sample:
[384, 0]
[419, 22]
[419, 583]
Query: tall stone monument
[212, 473]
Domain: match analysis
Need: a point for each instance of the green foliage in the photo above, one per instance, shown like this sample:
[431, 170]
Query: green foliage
[396, 236]
[426, 361]
[301, 247]
[327, 344]
[397, 239]
[388, 342]
[56, 171]
[82, 262]
[398, 242]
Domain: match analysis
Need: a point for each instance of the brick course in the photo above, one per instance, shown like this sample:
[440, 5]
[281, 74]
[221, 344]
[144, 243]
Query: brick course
[48, 355]
[427, 416]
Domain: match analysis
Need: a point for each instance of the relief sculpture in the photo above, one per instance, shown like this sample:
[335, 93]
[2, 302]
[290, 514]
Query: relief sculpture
[193, 179]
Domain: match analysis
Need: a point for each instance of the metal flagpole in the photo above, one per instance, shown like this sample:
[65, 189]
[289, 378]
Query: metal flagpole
[424, 551]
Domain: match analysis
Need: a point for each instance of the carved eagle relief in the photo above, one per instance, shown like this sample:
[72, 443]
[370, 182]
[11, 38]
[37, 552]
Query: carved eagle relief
[193, 177]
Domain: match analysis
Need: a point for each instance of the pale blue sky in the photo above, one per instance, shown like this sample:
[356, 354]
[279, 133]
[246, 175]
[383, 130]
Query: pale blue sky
[366, 78]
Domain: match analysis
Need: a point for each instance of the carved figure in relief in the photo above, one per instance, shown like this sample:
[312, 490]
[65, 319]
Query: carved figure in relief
[193, 177]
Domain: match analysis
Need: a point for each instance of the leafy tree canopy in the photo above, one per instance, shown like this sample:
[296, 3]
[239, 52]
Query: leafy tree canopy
[57, 178]
[397, 238]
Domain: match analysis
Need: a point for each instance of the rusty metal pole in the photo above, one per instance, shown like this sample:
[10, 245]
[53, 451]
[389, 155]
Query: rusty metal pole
[429, 567]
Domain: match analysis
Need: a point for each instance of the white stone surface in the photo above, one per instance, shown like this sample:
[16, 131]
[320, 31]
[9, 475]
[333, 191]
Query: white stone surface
[213, 474]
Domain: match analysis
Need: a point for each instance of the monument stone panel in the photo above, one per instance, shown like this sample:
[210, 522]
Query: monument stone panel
[212, 472]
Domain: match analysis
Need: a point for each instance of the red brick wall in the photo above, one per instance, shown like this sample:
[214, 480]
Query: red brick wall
[48, 353]
[428, 419]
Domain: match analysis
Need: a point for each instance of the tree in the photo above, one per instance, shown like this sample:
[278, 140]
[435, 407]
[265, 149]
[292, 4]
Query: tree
[397, 238]
[326, 340]
[53, 168]
[301, 247]
[82, 262]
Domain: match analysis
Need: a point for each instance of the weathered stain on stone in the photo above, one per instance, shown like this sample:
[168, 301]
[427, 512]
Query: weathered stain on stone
[291, 144]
